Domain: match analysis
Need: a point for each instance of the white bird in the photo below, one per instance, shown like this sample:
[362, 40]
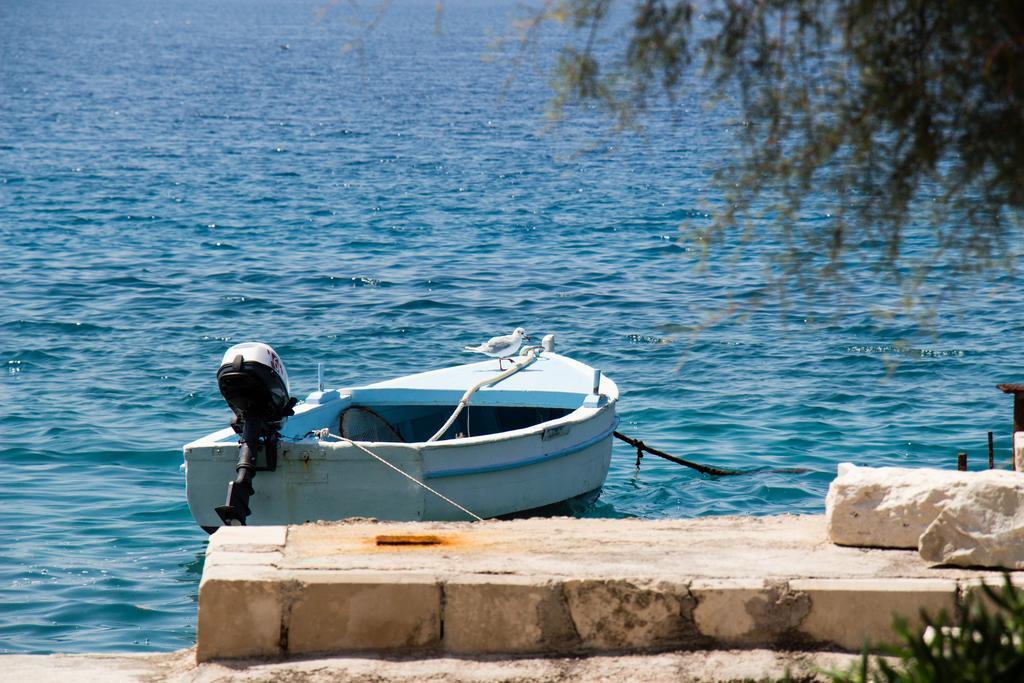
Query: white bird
[500, 347]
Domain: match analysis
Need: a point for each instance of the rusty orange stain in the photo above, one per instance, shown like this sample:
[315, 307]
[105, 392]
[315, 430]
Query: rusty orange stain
[409, 539]
[402, 541]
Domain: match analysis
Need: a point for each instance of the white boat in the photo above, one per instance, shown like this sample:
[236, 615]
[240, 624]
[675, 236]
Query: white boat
[537, 438]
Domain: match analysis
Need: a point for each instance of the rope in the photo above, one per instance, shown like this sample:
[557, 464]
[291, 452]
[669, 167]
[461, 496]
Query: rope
[641, 448]
[323, 433]
[464, 401]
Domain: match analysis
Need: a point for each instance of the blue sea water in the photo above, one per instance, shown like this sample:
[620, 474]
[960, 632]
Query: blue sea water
[178, 177]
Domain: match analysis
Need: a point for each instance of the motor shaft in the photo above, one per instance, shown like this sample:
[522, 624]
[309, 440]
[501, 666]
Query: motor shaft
[236, 508]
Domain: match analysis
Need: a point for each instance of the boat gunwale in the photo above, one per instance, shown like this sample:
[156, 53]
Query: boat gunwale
[524, 462]
[579, 415]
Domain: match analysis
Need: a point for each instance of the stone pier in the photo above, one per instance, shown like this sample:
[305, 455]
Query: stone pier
[557, 587]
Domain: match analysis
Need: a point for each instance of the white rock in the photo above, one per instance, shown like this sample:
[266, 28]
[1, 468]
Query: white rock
[845, 467]
[891, 507]
[983, 526]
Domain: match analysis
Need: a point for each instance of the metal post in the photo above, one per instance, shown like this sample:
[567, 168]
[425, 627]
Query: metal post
[1018, 410]
[991, 453]
[961, 462]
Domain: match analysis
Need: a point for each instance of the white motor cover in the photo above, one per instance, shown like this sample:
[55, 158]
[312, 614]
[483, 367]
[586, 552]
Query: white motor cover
[258, 352]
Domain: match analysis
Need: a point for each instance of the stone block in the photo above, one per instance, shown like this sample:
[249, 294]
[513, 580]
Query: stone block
[227, 558]
[507, 615]
[247, 539]
[748, 611]
[349, 613]
[238, 616]
[971, 588]
[850, 613]
[621, 615]
[890, 507]
[983, 526]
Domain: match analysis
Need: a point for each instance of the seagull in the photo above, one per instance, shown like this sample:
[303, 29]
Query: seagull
[500, 347]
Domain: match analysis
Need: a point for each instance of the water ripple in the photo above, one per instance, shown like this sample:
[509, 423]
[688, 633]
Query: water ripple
[171, 183]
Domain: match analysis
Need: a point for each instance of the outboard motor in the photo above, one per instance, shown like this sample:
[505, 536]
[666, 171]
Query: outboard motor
[253, 381]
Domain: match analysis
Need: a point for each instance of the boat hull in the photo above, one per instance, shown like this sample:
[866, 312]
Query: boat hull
[325, 480]
[532, 439]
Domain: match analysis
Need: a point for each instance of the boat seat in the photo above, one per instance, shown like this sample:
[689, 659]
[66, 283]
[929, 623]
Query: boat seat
[362, 424]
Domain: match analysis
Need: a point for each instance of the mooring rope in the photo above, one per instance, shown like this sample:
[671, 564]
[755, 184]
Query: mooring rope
[464, 401]
[324, 433]
[641, 448]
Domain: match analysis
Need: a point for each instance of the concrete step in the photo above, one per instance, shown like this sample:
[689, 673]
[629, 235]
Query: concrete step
[556, 587]
[715, 666]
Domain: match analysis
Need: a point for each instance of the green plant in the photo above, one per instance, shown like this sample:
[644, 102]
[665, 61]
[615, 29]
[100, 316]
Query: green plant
[984, 643]
[896, 122]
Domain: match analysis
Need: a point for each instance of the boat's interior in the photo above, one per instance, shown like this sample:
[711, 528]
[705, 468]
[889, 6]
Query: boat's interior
[417, 423]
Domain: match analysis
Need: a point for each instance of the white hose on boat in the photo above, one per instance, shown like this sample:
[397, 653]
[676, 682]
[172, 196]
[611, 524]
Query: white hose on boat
[408, 476]
[464, 401]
